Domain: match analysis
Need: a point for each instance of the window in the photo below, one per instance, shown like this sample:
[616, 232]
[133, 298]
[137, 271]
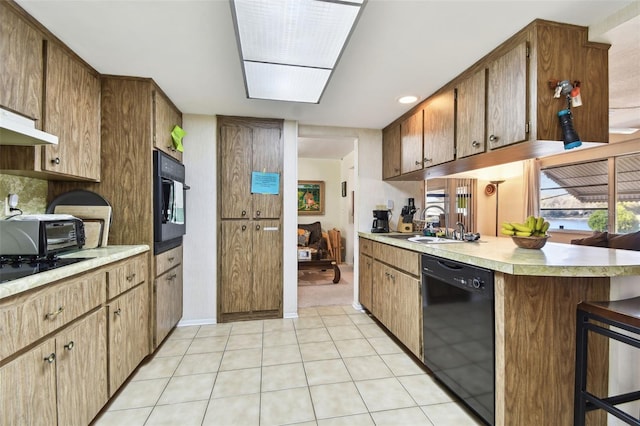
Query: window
[627, 194]
[577, 196]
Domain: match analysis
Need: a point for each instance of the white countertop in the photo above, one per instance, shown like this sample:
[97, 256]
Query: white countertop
[554, 259]
[96, 257]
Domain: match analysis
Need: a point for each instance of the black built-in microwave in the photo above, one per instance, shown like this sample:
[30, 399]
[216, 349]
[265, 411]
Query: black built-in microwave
[169, 202]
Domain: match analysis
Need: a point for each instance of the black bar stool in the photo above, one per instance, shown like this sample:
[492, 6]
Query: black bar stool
[623, 314]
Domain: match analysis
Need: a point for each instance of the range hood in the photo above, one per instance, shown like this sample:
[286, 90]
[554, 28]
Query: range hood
[18, 130]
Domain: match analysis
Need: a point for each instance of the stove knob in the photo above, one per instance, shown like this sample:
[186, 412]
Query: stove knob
[477, 284]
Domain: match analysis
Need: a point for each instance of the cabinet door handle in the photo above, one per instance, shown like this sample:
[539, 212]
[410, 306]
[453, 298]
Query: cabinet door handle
[418, 163]
[257, 227]
[51, 358]
[172, 277]
[244, 227]
[171, 259]
[257, 212]
[131, 277]
[428, 160]
[53, 315]
[244, 213]
[69, 345]
[55, 160]
[117, 312]
[493, 138]
[475, 144]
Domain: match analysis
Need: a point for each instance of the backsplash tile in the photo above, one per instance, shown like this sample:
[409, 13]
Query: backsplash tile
[32, 193]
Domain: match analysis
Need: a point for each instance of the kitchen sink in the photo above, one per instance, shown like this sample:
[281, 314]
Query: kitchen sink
[414, 238]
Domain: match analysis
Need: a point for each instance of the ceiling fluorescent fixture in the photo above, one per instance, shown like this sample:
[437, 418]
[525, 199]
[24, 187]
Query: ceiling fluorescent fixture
[289, 48]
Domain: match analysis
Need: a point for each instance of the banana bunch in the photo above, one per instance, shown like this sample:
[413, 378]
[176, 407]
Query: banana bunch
[532, 227]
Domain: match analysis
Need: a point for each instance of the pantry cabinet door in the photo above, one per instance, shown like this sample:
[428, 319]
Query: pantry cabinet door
[267, 266]
[234, 174]
[236, 266]
[267, 157]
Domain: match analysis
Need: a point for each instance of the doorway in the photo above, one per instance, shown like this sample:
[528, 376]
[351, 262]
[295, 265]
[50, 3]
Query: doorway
[329, 162]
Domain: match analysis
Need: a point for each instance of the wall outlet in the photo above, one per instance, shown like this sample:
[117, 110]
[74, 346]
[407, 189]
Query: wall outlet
[10, 203]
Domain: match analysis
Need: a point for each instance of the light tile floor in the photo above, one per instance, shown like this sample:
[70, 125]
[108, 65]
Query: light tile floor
[332, 366]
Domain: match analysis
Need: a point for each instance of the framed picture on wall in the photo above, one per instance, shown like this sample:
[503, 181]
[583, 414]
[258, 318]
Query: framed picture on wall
[310, 197]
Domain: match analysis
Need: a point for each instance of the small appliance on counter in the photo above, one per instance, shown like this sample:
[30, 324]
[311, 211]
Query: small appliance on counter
[380, 221]
[30, 244]
[407, 217]
[41, 235]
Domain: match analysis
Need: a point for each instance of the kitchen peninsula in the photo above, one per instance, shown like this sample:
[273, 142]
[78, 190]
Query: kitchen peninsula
[536, 293]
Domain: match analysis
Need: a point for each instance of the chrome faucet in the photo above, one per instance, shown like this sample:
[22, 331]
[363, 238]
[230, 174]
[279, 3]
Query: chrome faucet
[461, 231]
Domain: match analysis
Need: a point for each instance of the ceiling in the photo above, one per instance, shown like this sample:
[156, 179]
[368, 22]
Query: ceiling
[398, 47]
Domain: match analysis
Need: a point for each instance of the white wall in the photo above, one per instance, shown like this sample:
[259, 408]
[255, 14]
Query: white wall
[200, 243]
[327, 170]
[199, 248]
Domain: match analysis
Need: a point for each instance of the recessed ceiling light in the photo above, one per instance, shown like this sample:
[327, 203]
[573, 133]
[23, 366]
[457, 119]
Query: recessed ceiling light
[408, 99]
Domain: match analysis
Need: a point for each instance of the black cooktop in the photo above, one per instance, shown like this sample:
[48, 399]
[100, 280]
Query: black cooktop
[12, 268]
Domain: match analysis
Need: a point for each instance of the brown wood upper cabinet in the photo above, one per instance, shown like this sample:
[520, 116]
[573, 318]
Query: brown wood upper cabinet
[505, 108]
[166, 117]
[72, 112]
[507, 98]
[391, 151]
[411, 136]
[439, 129]
[22, 65]
[45, 81]
[471, 99]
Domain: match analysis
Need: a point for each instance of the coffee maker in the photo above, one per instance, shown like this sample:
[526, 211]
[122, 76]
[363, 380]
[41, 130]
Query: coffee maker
[380, 221]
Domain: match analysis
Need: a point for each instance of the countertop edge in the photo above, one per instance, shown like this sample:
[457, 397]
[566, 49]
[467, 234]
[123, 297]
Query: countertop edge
[95, 258]
[554, 259]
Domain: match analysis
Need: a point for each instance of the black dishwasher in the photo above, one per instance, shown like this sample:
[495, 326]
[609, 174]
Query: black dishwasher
[458, 327]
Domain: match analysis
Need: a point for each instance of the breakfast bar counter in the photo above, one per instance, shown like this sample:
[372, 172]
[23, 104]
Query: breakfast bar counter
[502, 255]
[536, 293]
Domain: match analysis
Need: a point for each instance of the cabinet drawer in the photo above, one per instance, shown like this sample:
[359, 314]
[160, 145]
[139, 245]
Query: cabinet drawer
[126, 274]
[404, 260]
[27, 317]
[366, 246]
[167, 260]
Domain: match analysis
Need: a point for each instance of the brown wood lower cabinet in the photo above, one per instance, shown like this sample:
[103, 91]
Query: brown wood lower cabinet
[81, 358]
[168, 303]
[395, 293]
[67, 348]
[365, 276]
[128, 334]
[31, 381]
[55, 373]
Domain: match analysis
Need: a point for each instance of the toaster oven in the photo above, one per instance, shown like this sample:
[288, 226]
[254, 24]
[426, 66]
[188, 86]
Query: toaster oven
[40, 235]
